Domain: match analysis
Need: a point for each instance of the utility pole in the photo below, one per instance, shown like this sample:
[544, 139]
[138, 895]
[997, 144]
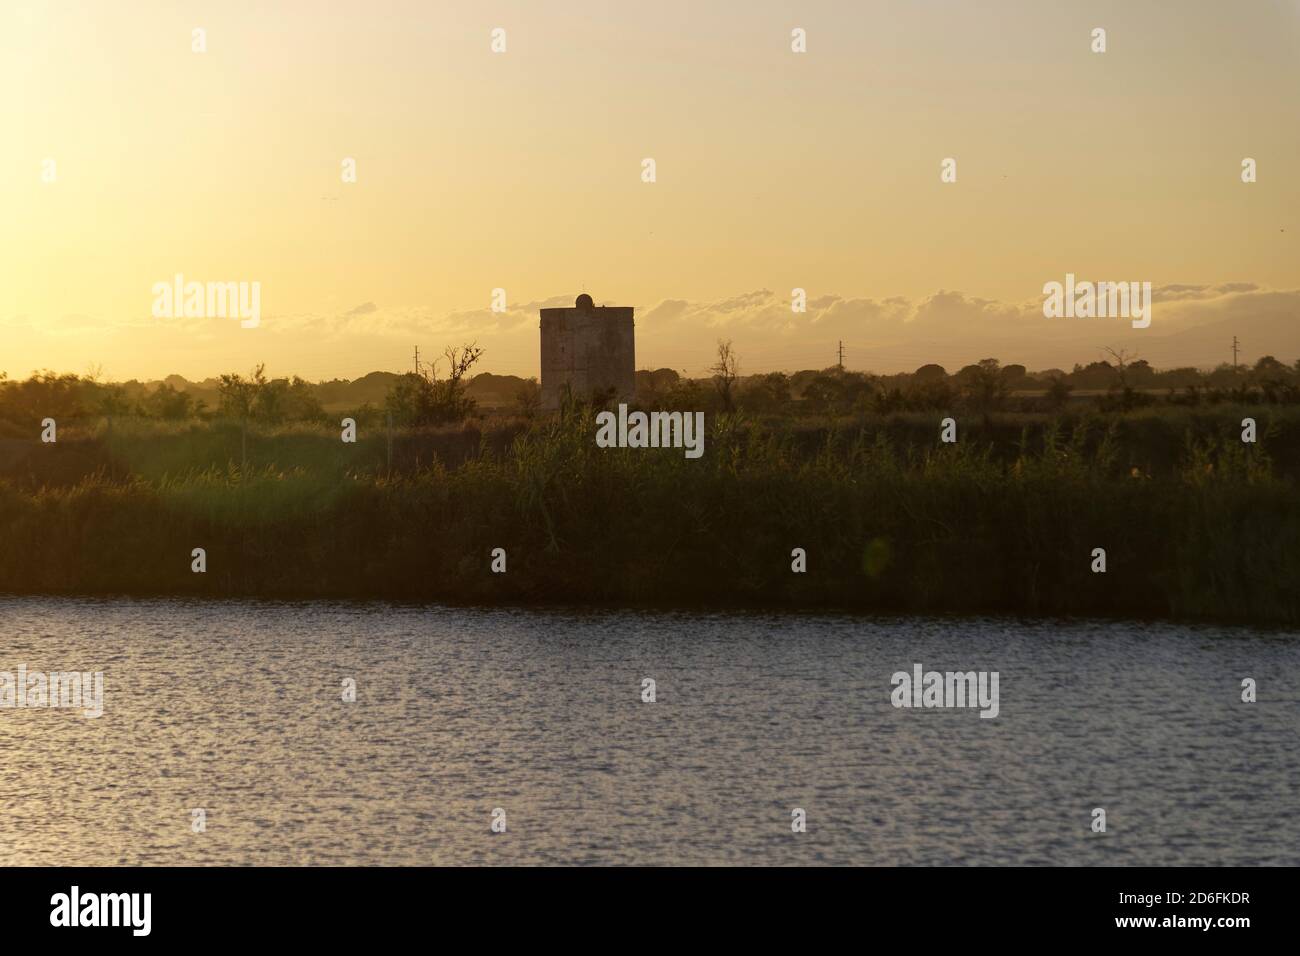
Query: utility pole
[417, 360]
[1234, 353]
[841, 355]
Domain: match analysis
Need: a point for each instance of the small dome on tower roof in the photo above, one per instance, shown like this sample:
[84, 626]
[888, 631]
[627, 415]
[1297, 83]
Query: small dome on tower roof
[584, 302]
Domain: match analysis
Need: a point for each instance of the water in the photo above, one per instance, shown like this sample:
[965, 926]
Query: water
[236, 708]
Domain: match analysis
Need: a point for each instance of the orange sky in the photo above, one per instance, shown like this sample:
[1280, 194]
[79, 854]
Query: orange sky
[522, 171]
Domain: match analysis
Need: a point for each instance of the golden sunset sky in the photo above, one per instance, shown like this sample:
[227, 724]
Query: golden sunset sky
[522, 170]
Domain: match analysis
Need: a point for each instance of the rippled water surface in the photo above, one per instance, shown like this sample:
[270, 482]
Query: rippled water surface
[237, 708]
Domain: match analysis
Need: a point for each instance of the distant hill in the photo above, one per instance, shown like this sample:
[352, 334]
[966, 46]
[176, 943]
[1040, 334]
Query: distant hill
[1271, 332]
[495, 391]
[341, 394]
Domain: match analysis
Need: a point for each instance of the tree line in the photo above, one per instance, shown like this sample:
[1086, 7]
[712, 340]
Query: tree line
[438, 393]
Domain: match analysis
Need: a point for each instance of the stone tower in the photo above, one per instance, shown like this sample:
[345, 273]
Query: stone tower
[588, 348]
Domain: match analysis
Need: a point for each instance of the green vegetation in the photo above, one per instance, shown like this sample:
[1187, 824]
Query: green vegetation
[1195, 523]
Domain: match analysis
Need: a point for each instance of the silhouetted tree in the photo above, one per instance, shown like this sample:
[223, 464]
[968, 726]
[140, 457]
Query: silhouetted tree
[725, 371]
[426, 399]
[1058, 392]
[983, 386]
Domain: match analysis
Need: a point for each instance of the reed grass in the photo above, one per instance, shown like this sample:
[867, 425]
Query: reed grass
[892, 525]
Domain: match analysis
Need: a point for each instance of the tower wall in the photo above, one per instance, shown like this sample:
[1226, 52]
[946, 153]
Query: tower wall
[589, 349]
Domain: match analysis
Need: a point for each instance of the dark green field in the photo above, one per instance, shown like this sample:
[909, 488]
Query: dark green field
[1195, 523]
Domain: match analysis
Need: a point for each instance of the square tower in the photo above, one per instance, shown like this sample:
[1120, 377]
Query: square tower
[589, 348]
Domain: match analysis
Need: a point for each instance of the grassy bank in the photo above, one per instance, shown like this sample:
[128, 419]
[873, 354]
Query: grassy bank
[887, 525]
